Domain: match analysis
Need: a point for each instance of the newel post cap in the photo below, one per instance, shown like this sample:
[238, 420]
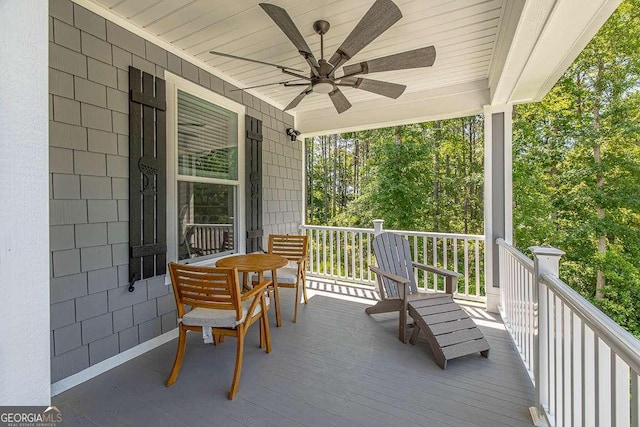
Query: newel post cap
[546, 260]
[377, 226]
[549, 251]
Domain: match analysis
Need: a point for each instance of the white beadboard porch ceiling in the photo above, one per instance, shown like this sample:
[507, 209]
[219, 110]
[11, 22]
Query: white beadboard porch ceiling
[489, 52]
[464, 33]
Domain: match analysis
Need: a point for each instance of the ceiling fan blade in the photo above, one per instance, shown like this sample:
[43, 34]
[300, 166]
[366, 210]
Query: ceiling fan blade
[284, 21]
[282, 67]
[297, 99]
[285, 83]
[340, 101]
[417, 58]
[390, 90]
[382, 15]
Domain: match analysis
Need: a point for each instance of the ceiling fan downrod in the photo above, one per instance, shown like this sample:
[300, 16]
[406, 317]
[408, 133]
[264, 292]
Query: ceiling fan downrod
[322, 83]
[321, 27]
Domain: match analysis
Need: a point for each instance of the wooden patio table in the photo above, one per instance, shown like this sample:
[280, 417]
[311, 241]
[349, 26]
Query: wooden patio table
[258, 263]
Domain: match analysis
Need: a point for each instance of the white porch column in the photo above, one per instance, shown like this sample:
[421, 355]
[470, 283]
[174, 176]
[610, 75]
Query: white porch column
[498, 196]
[25, 365]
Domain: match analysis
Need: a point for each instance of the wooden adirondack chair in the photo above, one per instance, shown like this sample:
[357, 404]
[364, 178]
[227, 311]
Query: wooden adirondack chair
[448, 329]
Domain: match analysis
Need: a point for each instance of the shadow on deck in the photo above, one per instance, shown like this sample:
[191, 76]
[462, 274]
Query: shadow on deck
[336, 366]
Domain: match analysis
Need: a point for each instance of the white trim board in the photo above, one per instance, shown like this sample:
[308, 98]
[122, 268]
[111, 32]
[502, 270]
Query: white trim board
[25, 359]
[175, 83]
[435, 104]
[110, 363]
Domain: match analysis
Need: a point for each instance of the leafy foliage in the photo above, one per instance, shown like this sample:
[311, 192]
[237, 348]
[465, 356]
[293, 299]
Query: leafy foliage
[577, 169]
[425, 176]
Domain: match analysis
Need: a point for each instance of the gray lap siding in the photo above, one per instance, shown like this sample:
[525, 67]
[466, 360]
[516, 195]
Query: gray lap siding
[93, 316]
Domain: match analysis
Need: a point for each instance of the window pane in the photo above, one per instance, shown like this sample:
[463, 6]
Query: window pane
[205, 219]
[207, 139]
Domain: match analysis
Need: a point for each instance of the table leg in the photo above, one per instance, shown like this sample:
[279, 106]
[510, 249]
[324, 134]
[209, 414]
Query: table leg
[276, 297]
[262, 336]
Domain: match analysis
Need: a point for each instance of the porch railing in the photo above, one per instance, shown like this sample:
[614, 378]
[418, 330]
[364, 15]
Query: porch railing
[345, 254]
[584, 366]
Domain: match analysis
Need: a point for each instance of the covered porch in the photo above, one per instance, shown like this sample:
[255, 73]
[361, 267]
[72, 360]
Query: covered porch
[335, 366]
[101, 353]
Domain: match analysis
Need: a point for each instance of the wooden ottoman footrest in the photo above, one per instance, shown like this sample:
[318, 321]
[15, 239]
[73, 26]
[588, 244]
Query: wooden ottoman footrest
[448, 328]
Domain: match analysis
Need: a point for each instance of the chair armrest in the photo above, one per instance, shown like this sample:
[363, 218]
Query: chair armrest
[388, 275]
[260, 287]
[450, 277]
[436, 270]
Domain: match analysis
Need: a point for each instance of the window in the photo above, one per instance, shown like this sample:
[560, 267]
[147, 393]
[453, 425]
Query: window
[206, 219]
[204, 170]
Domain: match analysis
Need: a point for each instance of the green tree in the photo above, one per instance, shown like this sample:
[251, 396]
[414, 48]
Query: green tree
[425, 176]
[577, 169]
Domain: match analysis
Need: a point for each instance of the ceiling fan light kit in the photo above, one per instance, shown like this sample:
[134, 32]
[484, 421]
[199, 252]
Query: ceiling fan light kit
[322, 77]
[323, 87]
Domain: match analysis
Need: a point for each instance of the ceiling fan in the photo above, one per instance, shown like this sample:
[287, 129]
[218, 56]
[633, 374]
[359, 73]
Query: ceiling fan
[322, 77]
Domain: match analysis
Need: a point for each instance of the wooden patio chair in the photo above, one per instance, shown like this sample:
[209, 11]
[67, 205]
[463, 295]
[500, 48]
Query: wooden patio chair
[216, 302]
[449, 330]
[294, 248]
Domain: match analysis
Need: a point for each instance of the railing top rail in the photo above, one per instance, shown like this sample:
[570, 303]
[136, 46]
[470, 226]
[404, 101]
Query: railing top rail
[208, 225]
[403, 232]
[621, 341]
[442, 235]
[522, 258]
[325, 227]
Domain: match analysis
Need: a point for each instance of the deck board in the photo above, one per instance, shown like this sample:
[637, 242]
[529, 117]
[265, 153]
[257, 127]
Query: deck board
[336, 367]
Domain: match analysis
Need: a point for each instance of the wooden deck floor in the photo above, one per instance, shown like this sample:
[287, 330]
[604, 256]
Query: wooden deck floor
[335, 367]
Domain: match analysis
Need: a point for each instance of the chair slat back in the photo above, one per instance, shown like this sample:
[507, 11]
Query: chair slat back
[289, 247]
[394, 255]
[207, 287]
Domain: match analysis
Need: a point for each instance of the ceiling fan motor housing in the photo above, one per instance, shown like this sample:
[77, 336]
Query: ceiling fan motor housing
[323, 83]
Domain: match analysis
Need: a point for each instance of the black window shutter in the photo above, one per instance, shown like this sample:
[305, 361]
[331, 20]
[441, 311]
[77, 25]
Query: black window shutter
[147, 176]
[253, 175]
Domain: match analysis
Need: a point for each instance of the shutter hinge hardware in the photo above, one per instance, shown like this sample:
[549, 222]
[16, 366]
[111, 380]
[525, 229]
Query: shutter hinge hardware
[134, 278]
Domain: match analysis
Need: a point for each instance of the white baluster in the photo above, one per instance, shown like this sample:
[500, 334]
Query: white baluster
[603, 387]
[576, 366]
[622, 380]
